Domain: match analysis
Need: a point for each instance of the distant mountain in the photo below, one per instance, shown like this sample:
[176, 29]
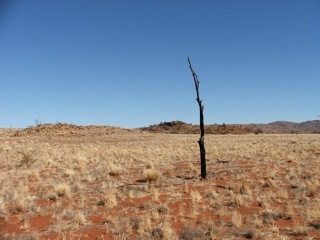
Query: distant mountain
[279, 127]
[288, 127]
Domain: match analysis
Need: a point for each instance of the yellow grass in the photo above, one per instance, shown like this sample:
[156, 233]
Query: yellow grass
[109, 176]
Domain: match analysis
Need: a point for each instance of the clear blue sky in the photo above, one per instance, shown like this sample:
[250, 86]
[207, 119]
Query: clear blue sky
[124, 63]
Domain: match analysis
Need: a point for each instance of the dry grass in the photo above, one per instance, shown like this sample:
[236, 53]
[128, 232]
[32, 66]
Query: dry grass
[151, 174]
[147, 186]
[62, 190]
[79, 219]
[299, 228]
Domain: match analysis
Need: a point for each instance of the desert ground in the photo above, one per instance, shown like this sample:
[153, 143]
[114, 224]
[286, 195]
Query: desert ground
[112, 183]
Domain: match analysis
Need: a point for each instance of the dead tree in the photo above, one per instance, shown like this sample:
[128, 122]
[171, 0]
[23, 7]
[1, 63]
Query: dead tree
[201, 139]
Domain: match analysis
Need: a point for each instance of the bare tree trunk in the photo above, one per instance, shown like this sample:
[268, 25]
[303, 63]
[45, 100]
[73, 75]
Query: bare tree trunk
[201, 139]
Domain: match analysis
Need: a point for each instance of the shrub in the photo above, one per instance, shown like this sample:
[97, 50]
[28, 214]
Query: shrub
[27, 159]
[151, 174]
[189, 233]
[62, 190]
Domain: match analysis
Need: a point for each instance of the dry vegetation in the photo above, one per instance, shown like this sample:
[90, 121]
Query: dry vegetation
[135, 185]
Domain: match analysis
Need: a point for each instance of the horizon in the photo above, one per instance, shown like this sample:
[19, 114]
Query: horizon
[195, 124]
[125, 64]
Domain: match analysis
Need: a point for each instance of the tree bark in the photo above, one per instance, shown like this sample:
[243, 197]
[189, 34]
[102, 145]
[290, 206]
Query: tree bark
[201, 139]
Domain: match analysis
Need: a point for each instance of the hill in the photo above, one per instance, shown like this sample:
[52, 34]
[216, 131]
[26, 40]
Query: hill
[173, 127]
[288, 127]
[279, 127]
[179, 127]
[64, 129]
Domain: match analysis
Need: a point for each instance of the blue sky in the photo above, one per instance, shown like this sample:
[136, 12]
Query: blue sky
[124, 63]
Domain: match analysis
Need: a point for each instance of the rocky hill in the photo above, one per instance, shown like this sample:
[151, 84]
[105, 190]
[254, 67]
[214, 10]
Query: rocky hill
[279, 127]
[176, 127]
[64, 129]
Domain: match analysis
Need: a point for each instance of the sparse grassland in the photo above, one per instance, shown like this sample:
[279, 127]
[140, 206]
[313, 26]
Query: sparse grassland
[147, 186]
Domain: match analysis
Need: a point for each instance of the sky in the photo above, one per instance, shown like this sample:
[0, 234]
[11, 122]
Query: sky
[124, 63]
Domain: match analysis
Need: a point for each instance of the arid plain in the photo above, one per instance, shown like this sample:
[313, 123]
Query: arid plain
[69, 182]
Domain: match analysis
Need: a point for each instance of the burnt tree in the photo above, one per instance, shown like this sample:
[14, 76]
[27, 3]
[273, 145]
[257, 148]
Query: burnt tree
[201, 139]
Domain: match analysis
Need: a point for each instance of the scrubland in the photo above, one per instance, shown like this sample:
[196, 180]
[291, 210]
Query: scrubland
[146, 186]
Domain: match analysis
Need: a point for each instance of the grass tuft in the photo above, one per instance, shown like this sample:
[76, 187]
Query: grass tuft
[151, 174]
